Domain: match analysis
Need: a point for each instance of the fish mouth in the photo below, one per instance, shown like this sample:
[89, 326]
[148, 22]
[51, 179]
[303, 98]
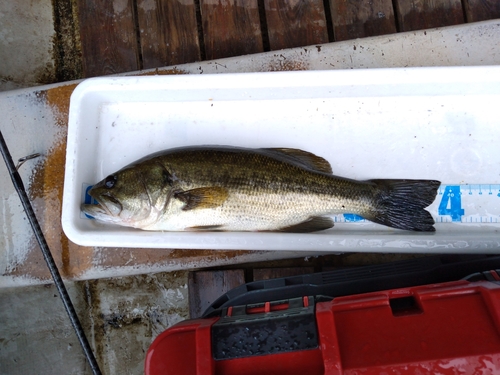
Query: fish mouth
[94, 210]
[107, 206]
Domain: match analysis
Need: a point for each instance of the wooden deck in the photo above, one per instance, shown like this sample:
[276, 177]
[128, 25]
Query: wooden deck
[127, 35]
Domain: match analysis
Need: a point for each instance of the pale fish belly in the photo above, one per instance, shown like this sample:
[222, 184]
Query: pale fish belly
[248, 212]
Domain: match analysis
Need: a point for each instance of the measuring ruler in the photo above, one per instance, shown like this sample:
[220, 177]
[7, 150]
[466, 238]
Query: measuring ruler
[471, 203]
[468, 203]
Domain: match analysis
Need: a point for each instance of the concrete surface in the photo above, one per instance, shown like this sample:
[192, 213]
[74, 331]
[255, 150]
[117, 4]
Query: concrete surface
[26, 43]
[120, 316]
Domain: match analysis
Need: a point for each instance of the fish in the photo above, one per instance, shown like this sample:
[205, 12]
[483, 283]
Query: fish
[224, 188]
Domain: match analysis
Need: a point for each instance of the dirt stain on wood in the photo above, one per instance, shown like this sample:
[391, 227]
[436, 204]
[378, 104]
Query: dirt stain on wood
[281, 63]
[161, 258]
[163, 72]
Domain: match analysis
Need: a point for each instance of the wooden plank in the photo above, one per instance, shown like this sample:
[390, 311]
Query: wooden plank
[67, 49]
[230, 28]
[357, 19]
[204, 287]
[108, 37]
[481, 10]
[168, 32]
[275, 273]
[426, 14]
[295, 23]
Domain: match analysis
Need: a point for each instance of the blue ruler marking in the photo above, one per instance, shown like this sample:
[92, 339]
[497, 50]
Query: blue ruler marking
[87, 199]
[451, 202]
[467, 203]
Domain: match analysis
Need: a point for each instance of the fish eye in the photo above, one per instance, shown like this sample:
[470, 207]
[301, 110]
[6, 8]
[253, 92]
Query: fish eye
[110, 181]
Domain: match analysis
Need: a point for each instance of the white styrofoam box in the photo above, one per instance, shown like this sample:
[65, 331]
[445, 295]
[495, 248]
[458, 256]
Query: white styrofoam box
[424, 123]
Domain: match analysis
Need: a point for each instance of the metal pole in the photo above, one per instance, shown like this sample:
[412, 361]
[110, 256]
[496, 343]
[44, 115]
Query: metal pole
[73, 317]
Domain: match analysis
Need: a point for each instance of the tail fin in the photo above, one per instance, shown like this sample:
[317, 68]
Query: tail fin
[400, 204]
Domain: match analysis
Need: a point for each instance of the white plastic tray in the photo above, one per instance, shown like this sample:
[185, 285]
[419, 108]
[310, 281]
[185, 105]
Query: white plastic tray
[435, 123]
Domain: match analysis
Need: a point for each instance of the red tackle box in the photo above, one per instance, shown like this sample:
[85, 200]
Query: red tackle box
[445, 328]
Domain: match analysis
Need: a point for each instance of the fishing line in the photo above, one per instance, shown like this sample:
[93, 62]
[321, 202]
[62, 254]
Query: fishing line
[28, 209]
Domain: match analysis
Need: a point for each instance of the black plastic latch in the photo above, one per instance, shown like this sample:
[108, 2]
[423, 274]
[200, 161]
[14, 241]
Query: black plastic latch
[265, 328]
[492, 276]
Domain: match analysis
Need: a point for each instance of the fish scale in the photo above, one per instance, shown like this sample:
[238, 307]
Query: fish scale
[276, 186]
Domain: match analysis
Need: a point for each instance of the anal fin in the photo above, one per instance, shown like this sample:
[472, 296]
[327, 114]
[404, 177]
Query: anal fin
[206, 228]
[313, 224]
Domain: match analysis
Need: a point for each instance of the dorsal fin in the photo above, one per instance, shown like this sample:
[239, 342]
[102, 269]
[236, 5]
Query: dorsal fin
[304, 158]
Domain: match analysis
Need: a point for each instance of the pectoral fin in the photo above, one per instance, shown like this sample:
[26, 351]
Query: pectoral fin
[205, 197]
[312, 224]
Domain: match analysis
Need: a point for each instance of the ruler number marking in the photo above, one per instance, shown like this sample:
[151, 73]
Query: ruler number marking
[351, 218]
[451, 203]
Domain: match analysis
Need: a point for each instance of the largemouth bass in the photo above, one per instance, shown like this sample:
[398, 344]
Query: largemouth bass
[238, 189]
